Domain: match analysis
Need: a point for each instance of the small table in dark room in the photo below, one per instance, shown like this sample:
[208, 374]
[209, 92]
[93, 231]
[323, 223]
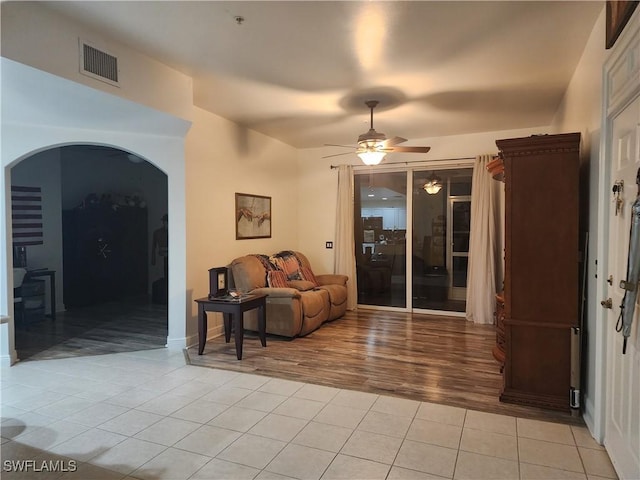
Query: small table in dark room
[45, 272]
[232, 311]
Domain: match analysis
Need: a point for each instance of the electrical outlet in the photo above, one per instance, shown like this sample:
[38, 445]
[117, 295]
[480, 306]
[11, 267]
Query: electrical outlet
[329, 245]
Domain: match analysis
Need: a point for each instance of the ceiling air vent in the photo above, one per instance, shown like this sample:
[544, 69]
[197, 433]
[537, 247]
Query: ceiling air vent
[98, 64]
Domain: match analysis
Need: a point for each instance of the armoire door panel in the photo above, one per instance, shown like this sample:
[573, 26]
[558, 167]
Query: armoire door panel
[541, 286]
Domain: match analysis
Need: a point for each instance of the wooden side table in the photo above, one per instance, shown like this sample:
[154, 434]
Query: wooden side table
[232, 311]
[52, 285]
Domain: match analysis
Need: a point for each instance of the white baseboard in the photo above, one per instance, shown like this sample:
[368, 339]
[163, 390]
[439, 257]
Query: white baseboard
[176, 343]
[8, 360]
[587, 416]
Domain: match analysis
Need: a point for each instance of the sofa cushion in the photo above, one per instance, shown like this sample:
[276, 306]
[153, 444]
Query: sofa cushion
[337, 293]
[315, 310]
[248, 273]
[302, 285]
[277, 279]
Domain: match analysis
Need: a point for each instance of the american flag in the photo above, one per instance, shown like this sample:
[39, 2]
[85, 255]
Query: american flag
[26, 215]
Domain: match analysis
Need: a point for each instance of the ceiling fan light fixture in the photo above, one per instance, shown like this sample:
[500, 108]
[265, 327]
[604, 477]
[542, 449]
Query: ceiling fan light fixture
[433, 185]
[370, 151]
[371, 157]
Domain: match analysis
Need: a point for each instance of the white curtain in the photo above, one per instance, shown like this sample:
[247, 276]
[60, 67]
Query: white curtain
[484, 274]
[345, 259]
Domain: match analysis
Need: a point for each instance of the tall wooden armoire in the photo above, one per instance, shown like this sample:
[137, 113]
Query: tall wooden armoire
[105, 254]
[541, 281]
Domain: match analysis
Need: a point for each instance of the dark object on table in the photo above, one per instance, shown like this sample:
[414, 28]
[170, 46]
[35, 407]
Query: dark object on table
[218, 282]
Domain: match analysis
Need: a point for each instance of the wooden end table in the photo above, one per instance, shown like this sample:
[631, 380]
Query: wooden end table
[45, 272]
[232, 311]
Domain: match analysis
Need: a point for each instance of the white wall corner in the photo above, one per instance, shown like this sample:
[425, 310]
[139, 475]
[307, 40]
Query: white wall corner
[589, 420]
[6, 361]
[8, 354]
[177, 343]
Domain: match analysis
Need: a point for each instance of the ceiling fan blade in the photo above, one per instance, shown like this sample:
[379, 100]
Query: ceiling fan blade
[410, 149]
[374, 142]
[394, 141]
[337, 154]
[336, 145]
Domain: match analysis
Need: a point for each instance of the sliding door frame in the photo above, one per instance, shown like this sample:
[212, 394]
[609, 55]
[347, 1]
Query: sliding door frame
[455, 293]
[409, 168]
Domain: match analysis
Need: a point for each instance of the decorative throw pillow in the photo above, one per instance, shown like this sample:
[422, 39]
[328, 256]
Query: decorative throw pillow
[308, 275]
[301, 285]
[277, 279]
[289, 265]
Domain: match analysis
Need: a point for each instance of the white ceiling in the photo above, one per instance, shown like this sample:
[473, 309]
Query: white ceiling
[300, 71]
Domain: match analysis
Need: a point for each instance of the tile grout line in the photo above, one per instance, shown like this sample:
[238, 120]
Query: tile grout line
[195, 399]
[455, 464]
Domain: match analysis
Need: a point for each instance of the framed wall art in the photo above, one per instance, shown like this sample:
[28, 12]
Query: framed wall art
[253, 216]
[618, 14]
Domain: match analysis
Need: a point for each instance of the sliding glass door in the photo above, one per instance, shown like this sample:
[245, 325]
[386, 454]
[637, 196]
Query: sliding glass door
[380, 238]
[430, 226]
[441, 219]
[460, 214]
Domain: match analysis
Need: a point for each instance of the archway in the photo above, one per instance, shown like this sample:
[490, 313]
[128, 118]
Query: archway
[97, 209]
[156, 136]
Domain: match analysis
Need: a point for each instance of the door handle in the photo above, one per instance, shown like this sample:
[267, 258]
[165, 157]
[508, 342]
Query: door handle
[608, 303]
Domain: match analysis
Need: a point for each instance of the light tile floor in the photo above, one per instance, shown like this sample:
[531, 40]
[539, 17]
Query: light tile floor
[147, 415]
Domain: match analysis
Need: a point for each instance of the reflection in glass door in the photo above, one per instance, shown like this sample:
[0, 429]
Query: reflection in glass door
[460, 214]
[380, 238]
[440, 232]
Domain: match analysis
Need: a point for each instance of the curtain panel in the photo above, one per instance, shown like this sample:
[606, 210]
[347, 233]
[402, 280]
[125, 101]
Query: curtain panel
[345, 259]
[484, 275]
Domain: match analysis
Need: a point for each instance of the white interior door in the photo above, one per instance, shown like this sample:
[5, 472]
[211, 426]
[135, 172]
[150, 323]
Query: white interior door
[622, 423]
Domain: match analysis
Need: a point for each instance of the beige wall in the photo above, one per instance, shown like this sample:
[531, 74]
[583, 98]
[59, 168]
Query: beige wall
[219, 159]
[53, 112]
[223, 159]
[35, 36]
[581, 111]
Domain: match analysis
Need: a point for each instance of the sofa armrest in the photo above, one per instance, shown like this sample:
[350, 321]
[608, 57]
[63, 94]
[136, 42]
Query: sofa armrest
[277, 292]
[332, 279]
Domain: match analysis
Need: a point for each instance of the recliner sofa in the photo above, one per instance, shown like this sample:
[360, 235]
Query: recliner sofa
[298, 301]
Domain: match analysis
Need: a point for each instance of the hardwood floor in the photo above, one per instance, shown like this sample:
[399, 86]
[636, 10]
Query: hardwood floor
[437, 359]
[118, 326]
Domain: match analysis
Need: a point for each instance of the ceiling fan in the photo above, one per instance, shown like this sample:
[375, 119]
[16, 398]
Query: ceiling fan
[373, 146]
